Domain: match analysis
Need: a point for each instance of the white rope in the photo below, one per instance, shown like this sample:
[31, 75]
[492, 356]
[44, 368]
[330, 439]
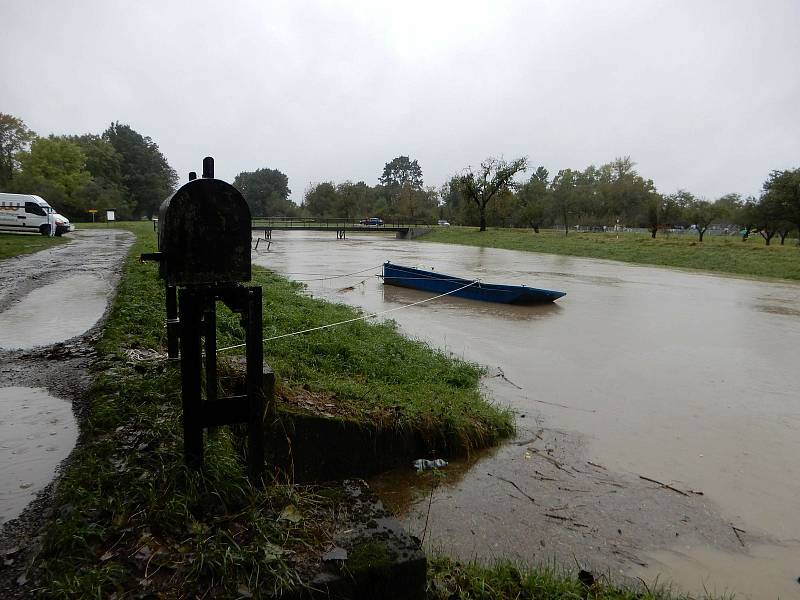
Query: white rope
[333, 276]
[361, 318]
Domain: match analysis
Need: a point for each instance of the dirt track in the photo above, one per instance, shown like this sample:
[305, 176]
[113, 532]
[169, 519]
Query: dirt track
[52, 304]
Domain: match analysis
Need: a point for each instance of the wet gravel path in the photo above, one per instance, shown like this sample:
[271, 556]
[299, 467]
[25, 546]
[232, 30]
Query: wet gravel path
[52, 306]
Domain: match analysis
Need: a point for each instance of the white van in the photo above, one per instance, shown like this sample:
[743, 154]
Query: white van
[26, 212]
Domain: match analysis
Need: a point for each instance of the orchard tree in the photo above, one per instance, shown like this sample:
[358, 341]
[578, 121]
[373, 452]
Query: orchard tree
[784, 188]
[146, 174]
[533, 197]
[266, 192]
[494, 176]
[14, 138]
[701, 214]
[564, 196]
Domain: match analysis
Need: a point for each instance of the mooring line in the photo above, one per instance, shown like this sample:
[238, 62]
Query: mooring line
[331, 277]
[361, 318]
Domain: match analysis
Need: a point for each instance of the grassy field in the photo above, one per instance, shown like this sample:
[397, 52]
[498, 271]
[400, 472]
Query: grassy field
[719, 254]
[14, 244]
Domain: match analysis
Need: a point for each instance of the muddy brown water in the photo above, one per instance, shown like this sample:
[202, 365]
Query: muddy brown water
[684, 378]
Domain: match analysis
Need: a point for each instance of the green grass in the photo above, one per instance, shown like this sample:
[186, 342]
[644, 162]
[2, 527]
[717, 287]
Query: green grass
[14, 244]
[451, 580]
[129, 516]
[718, 254]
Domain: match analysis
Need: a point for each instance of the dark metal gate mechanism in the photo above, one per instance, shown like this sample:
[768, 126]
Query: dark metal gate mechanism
[204, 245]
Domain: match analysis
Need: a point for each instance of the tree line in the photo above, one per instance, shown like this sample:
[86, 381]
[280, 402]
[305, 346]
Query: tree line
[119, 168]
[123, 169]
[615, 196]
[612, 196]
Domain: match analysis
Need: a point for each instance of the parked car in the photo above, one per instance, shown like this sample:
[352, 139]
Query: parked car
[443, 223]
[26, 212]
[373, 221]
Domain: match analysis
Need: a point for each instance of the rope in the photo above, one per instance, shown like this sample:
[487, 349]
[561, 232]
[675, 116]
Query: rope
[361, 318]
[332, 276]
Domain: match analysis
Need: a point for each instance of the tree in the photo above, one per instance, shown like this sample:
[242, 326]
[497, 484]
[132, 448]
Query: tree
[146, 174]
[402, 171]
[106, 189]
[266, 192]
[533, 197]
[14, 138]
[784, 188]
[494, 176]
[321, 200]
[624, 194]
[564, 196]
[746, 217]
[701, 213]
[770, 215]
[55, 168]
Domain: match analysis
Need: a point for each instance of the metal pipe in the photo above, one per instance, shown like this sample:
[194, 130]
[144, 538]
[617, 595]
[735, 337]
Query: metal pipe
[208, 168]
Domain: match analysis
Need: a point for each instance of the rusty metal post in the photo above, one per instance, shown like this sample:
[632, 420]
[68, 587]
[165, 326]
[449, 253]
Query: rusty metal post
[173, 324]
[255, 385]
[191, 373]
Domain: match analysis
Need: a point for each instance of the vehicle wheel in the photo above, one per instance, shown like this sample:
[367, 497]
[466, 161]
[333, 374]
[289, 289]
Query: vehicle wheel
[44, 229]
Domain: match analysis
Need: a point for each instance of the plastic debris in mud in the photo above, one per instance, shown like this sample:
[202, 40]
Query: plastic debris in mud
[422, 464]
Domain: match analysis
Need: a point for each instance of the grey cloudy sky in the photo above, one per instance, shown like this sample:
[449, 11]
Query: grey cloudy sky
[703, 95]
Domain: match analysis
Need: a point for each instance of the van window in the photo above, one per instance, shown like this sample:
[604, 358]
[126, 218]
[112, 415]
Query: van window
[34, 209]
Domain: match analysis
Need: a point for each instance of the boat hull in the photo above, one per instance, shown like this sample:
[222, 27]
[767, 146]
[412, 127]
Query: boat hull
[438, 283]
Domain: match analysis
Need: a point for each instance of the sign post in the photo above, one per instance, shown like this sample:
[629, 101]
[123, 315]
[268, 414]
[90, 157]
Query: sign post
[93, 212]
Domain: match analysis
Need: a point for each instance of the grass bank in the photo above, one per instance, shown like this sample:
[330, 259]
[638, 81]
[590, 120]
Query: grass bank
[129, 518]
[448, 579]
[718, 254]
[14, 244]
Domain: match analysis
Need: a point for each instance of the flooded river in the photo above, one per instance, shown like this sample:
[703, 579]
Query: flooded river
[685, 378]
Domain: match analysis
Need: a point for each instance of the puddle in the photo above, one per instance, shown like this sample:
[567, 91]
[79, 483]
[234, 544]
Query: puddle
[37, 432]
[703, 569]
[54, 313]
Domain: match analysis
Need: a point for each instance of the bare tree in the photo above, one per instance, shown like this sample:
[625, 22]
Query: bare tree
[494, 176]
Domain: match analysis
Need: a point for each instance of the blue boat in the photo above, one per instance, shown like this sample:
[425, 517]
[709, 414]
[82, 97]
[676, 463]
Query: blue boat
[438, 283]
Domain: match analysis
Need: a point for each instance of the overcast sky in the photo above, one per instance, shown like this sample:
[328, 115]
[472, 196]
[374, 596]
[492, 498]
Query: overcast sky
[703, 95]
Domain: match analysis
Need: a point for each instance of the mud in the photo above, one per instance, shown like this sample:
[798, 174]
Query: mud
[44, 366]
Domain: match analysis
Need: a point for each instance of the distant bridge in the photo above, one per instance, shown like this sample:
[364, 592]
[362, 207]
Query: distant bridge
[404, 228]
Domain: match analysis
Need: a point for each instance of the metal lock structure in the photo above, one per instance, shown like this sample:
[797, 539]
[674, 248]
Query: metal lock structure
[204, 235]
[204, 242]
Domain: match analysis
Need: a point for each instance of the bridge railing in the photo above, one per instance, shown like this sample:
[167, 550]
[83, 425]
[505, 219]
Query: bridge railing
[336, 223]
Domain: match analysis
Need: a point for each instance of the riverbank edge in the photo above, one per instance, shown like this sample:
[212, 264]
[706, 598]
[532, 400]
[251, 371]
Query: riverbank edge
[721, 257]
